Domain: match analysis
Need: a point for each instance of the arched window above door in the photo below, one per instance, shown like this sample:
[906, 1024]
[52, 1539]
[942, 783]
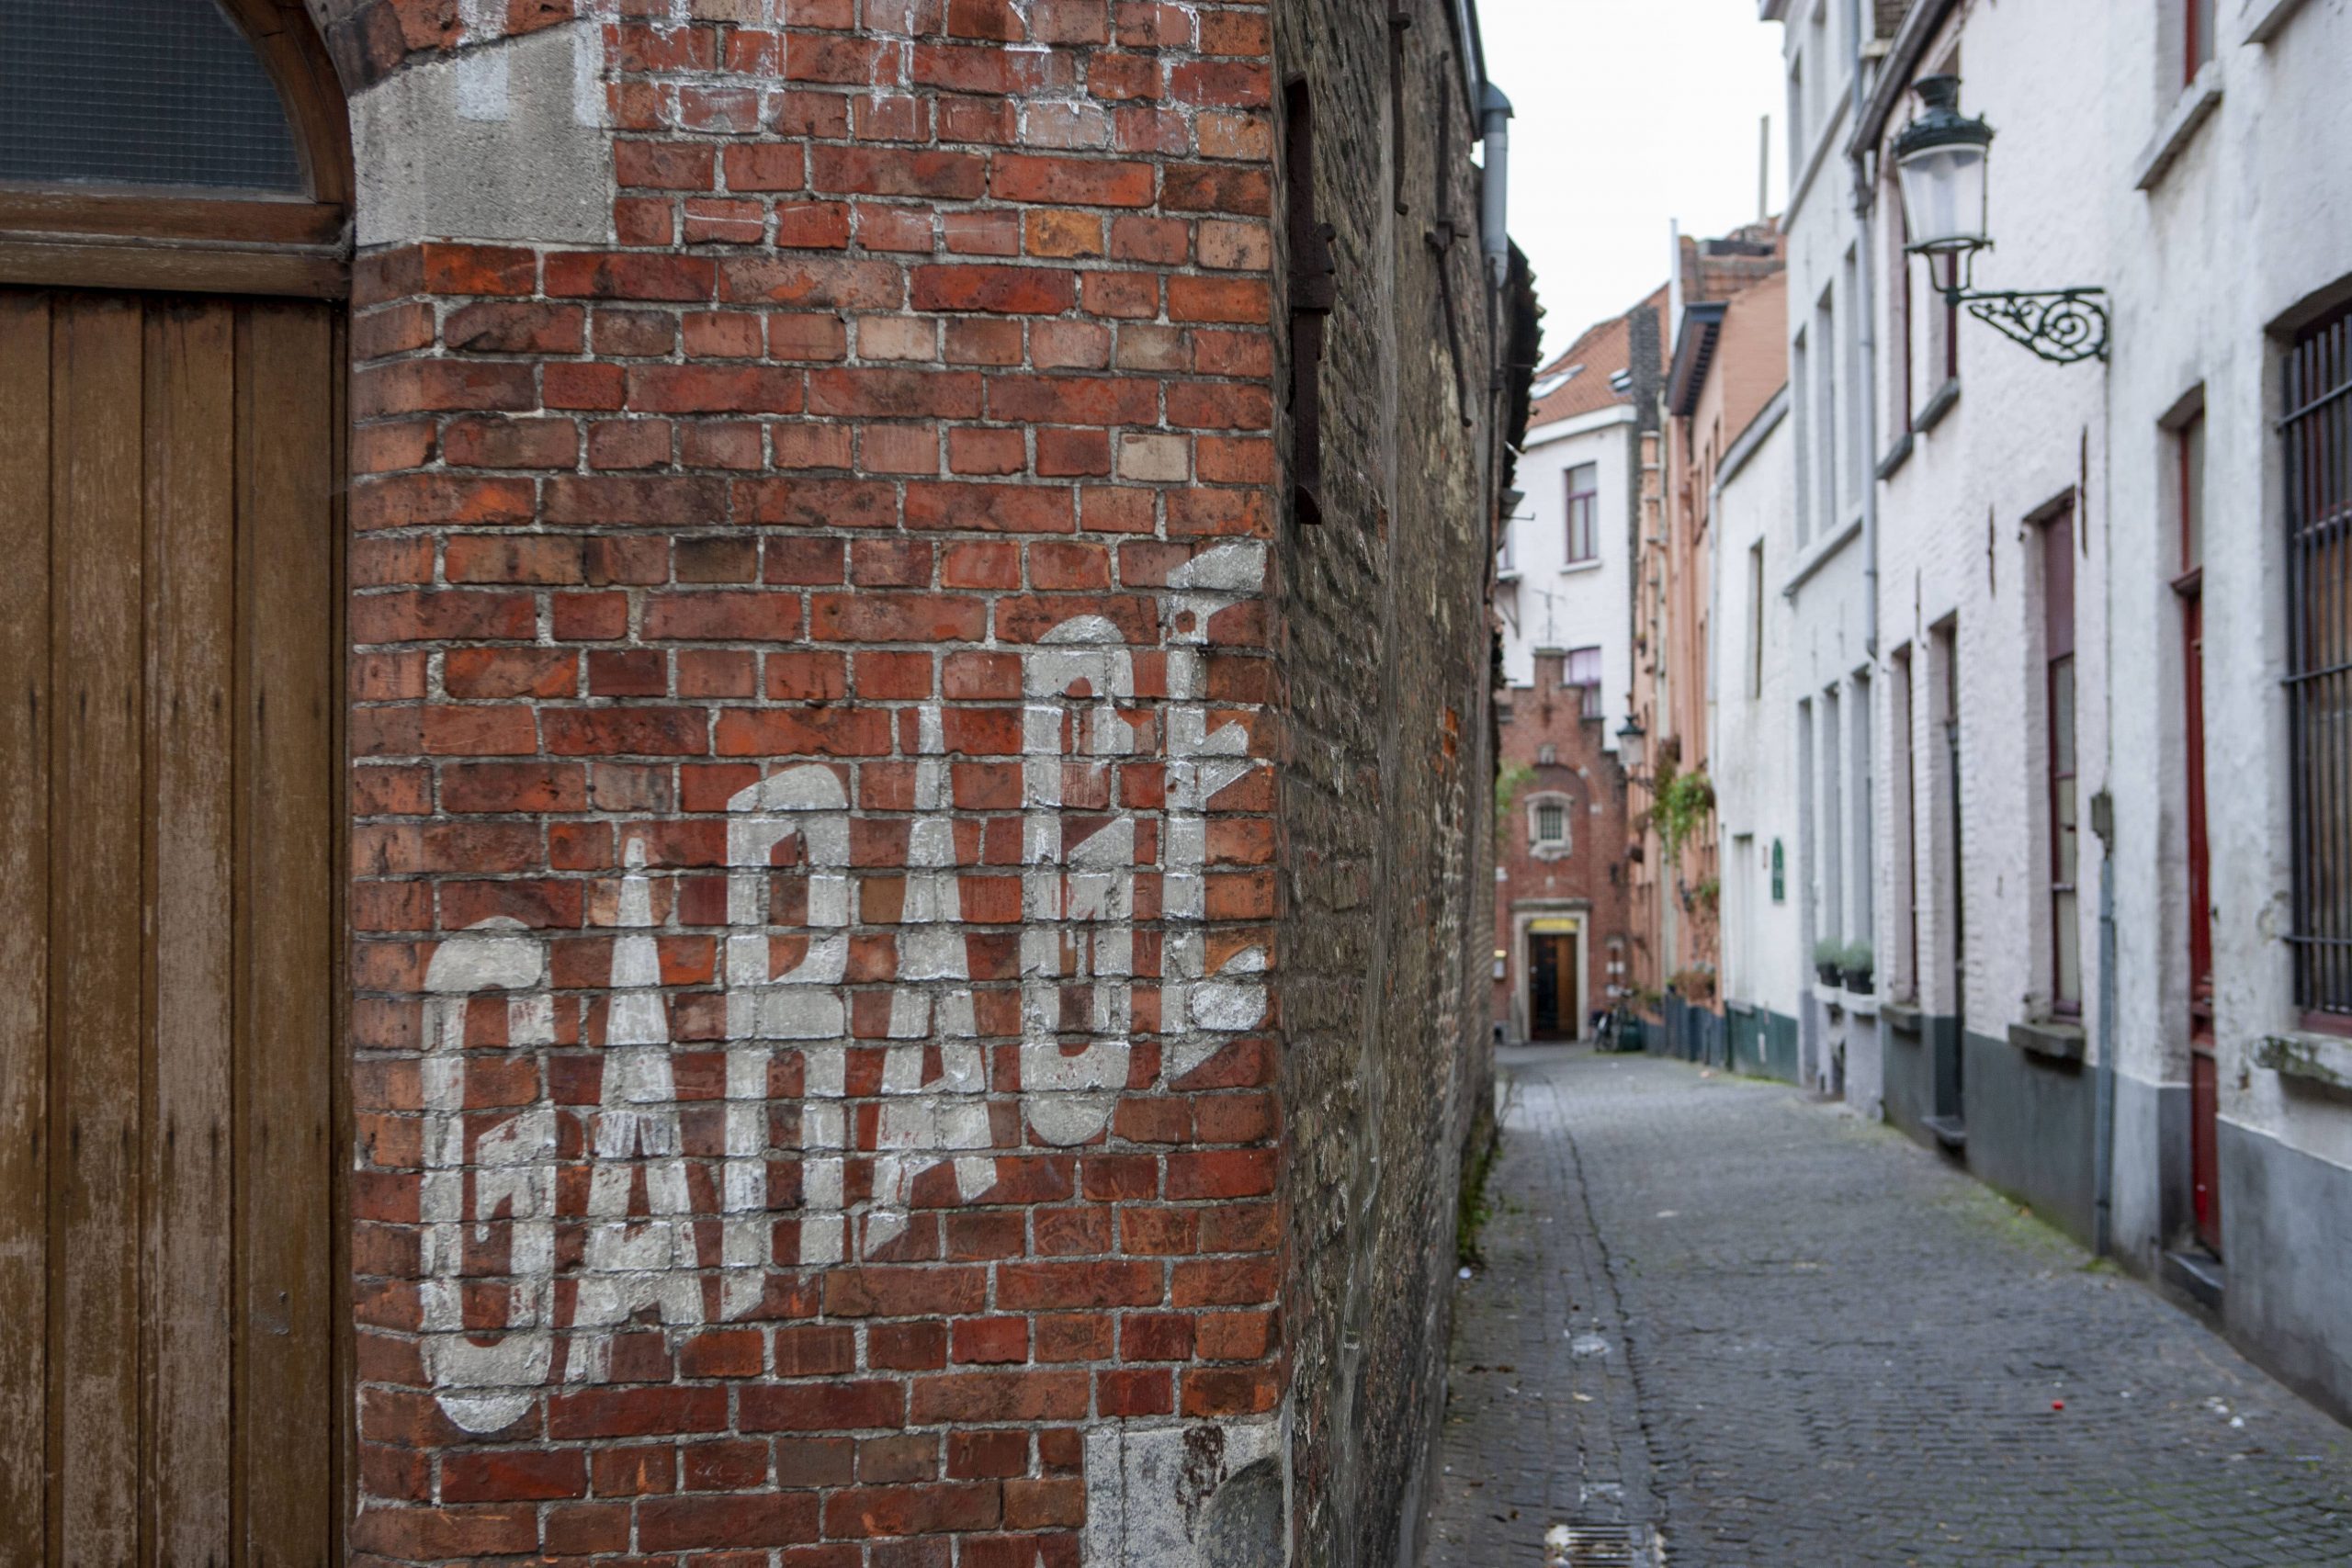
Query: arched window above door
[193, 145]
[140, 93]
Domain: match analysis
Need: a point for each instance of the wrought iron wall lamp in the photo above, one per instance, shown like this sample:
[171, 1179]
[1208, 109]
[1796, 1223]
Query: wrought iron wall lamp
[1939, 159]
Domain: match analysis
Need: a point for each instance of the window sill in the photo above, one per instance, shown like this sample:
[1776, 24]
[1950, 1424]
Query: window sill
[1896, 455]
[1508, 577]
[1937, 406]
[2192, 108]
[2265, 18]
[2322, 1059]
[1574, 567]
[2050, 1039]
[1819, 555]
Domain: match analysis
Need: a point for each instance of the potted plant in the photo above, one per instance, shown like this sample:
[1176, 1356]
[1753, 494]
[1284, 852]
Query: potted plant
[1857, 964]
[1828, 958]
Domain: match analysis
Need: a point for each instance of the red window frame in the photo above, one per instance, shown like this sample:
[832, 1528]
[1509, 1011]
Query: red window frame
[2197, 28]
[2063, 801]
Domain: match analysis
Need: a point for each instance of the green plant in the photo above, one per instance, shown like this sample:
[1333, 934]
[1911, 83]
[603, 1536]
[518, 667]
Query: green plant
[1684, 801]
[1473, 1205]
[1858, 957]
[1510, 783]
[1829, 951]
[1709, 892]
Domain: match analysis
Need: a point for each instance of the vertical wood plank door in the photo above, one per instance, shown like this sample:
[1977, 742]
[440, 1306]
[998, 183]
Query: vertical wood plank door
[169, 931]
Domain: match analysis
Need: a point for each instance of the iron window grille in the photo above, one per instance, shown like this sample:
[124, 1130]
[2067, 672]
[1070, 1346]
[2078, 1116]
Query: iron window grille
[2318, 431]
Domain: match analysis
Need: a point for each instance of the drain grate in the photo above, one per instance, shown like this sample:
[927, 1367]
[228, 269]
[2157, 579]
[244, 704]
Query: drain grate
[1601, 1546]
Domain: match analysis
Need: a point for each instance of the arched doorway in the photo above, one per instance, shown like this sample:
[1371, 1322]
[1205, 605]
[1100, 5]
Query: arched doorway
[174, 187]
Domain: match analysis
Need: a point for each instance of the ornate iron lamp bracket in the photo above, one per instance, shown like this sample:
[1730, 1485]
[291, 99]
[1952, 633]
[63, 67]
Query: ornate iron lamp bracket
[2063, 326]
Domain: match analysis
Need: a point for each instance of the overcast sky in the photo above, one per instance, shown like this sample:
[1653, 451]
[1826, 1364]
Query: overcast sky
[1631, 113]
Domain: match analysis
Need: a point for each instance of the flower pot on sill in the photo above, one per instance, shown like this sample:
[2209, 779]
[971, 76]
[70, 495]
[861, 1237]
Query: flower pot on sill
[1828, 973]
[1859, 981]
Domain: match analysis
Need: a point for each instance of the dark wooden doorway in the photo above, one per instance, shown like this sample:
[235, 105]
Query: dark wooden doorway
[170, 795]
[1552, 989]
[2204, 1075]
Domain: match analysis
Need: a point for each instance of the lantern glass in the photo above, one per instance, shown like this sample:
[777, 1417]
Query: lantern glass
[1943, 196]
[1630, 738]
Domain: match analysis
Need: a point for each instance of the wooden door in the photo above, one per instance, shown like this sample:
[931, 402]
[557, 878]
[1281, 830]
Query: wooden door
[1549, 1014]
[2204, 1076]
[169, 928]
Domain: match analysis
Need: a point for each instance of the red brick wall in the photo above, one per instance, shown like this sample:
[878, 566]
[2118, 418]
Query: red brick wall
[1589, 880]
[811, 841]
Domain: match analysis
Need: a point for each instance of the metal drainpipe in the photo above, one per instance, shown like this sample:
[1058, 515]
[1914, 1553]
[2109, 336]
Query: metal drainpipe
[2103, 1140]
[1494, 188]
[1866, 350]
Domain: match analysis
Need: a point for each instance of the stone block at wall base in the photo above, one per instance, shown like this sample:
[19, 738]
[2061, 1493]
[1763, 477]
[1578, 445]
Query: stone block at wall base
[2286, 1239]
[2153, 1201]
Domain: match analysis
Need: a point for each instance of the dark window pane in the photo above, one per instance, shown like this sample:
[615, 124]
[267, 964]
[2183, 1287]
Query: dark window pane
[138, 92]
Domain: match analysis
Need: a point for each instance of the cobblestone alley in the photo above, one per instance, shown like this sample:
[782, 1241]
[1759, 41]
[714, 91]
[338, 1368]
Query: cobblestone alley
[1723, 1325]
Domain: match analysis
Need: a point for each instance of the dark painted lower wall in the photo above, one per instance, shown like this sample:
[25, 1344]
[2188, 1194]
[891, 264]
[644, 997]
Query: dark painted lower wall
[2287, 1237]
[1921, 1054]
[2033, 1130]
[1763, 1042]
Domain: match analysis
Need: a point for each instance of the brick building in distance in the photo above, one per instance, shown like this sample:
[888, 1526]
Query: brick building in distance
[1559, 848]
[753, 777]
[1564, 606]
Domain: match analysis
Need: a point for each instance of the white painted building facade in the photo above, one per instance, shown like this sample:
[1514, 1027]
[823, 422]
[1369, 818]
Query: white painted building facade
[1985, 625]
[1752, 749]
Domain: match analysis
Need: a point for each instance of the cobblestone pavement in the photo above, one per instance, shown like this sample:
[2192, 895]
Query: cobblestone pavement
[1724, 1325]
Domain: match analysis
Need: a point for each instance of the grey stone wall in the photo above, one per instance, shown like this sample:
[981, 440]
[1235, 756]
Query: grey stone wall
[1384, 645]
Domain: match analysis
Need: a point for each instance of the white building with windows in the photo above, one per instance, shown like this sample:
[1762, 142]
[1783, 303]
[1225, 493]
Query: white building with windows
[1821, 571]
[2059, 641]
[1562, 570]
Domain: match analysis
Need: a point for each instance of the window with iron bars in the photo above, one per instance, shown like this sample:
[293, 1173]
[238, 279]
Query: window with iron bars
[2317, 431]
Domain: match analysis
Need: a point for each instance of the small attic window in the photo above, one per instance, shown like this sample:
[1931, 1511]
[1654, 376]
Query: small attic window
[140, 93]
[1554, 382]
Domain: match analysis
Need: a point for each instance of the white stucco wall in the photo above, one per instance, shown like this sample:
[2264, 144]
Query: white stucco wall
[2249, 221]
[1955, 539]
[1751, 754]
[1589, 606]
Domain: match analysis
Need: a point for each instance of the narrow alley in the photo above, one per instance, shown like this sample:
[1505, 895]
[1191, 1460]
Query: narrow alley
[1720, 1323]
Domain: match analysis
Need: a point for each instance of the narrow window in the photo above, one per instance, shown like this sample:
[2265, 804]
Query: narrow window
[1857, 472]
[1833, 820]
[1756, 619]
[1901, 303]
[1801, 431]
[2318, 431]
[1865, 827]
[1583, 675]
[1551, 822]
[1311, 294]
[1809, 922]
[1902, 778]
[2204, 1066]
[1944, 320]
[2197, 33]
[1584, 506]
[2058, 694]
[1825, 411]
